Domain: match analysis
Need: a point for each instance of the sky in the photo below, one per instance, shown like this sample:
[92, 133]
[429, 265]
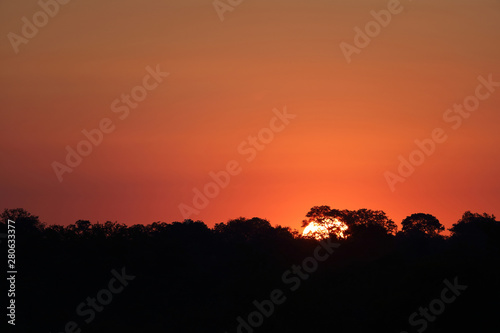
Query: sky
[291, 103]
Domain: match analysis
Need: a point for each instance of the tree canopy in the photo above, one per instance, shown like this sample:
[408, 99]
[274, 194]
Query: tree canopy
[422, 223]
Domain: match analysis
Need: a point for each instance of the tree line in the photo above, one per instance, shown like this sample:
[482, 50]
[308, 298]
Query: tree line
[192, 278]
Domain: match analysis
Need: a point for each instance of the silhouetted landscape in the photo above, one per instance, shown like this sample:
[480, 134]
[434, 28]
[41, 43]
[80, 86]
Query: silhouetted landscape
[231, 166]
[187, 277]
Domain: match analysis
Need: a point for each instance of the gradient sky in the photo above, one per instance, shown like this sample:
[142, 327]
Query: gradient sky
[353, 120]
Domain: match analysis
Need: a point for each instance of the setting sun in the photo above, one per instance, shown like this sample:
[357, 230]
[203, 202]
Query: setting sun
[321, 229]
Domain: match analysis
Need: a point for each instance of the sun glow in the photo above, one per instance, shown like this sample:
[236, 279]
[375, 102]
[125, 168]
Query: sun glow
[322, 229]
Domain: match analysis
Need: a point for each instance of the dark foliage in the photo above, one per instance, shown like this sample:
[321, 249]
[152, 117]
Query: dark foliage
[190, 278]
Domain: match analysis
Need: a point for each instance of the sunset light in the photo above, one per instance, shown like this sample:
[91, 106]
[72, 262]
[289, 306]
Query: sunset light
[322, 229]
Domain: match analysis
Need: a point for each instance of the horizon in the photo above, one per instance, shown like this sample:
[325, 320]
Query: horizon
[301, 229]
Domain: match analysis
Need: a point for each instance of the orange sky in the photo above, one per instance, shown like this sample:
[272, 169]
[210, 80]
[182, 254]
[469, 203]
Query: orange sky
[225, 78]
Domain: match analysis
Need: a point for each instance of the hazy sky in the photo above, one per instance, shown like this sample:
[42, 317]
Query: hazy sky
[353, 119]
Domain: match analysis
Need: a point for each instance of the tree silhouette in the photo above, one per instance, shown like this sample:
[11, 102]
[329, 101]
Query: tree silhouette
[25, 222]
[367, 220]
[21, 217]
[422, 223]
[250, 230]
[475, 223]
[478, 231]
[325, 218]
[320, 212]
[361, 221]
